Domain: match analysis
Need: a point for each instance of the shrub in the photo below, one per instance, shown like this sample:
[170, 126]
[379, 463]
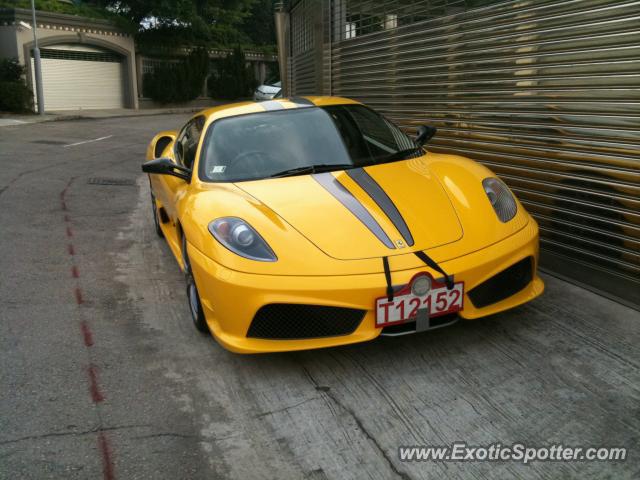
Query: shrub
[233, 79]
[181, 81]
[10, 70]
[15, 96]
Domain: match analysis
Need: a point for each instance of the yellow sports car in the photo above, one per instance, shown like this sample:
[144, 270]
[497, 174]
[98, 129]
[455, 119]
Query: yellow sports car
[311, 222]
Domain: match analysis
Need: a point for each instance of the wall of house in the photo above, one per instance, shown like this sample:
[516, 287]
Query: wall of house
[8, 42]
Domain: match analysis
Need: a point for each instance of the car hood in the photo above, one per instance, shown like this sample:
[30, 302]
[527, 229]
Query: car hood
[381, 210]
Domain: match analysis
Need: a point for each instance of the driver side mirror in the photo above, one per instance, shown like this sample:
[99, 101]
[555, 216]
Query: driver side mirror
[424, 134]
[164, 166]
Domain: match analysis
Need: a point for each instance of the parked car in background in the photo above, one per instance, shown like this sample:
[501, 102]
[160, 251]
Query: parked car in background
[267, 91]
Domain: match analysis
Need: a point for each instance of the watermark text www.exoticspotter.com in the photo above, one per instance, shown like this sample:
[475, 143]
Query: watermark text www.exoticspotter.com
[517, 452]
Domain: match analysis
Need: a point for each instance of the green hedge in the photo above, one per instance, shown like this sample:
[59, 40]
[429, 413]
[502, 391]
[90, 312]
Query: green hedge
[181, 81]
[15, 96]
[233, 78]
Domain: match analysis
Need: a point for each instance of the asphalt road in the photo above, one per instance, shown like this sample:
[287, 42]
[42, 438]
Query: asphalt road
[103, 376]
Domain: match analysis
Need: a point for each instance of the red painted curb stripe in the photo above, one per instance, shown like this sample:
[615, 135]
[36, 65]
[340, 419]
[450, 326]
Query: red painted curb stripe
[107, 461]
[96, 394]
[86, 334]
[78, 294]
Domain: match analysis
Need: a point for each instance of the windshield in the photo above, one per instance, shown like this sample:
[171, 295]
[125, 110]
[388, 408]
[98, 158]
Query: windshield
[263, 145]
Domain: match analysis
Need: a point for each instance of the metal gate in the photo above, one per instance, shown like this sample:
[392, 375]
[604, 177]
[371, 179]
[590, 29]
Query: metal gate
[303, 47]
[545, 93]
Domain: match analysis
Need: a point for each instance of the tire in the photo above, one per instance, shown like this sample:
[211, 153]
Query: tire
[156, 217]
[195, 306]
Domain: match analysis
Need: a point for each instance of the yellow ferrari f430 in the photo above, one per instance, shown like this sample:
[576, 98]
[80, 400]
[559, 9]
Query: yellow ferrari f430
[312, 222]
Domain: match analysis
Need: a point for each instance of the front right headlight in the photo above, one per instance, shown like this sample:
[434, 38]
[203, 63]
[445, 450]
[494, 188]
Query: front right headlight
[240, 237]
[501, 198]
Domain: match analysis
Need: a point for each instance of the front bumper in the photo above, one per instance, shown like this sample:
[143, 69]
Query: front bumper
[230, 299]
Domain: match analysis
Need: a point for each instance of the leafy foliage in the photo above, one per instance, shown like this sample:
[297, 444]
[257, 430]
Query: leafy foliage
[187, 22]
[172, 23]
[259, 26]
[89, 9]
[233, 78]
[11, 70]
[179, 81]
[15, 96]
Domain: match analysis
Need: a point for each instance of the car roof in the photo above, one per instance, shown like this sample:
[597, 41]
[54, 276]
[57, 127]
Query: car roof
[243, 108]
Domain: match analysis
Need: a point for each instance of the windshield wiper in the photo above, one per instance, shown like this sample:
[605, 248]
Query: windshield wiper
[400, 155]
[312, 169]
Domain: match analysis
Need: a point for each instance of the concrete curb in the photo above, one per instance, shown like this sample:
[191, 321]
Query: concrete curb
[138, 113]
[101, 115]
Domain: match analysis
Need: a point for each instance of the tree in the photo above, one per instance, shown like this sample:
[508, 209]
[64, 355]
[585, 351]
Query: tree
[178, 81]
[220, 23]
[200, 21]
[259, 25]
[233, 78]
[15, 96]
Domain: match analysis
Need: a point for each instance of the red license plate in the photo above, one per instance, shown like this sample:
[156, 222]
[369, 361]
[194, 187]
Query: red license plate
[405, 305]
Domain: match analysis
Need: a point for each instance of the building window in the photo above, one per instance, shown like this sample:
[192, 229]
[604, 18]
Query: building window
[362, 17]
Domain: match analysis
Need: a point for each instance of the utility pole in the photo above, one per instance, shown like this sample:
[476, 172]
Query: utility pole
[36, 60]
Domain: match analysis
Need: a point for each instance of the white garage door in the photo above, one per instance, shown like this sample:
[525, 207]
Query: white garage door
[77, 77]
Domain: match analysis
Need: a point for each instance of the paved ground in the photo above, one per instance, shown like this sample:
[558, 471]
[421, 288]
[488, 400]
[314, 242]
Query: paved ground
[102, 375]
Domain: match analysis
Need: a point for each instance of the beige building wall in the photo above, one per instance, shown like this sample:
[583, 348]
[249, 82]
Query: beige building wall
[16, 40]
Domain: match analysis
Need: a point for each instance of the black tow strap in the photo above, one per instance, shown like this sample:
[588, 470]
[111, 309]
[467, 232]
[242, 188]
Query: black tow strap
[387, 276]
[448, 280]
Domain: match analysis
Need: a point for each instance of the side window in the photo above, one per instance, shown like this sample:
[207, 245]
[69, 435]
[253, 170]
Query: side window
[187, 142]
[350, 133]
[381, 135]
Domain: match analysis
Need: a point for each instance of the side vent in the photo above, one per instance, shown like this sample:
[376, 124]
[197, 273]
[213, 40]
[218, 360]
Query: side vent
[164, 218]
[161, 144]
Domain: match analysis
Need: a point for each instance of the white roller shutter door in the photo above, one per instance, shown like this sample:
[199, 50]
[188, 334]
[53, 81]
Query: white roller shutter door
[74, 80]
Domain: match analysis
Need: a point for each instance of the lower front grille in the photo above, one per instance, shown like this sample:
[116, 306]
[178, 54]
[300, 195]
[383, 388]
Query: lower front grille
[410, 327]
[503, 285]
[284, 321]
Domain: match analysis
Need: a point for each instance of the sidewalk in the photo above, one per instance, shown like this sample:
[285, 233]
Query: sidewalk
[9, 119]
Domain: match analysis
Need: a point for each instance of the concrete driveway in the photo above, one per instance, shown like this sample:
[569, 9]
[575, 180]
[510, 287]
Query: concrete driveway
[103, 376]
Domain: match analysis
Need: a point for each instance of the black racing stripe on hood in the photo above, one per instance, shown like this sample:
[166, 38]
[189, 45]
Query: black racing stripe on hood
[351, 203]
[378, 195]
[271, 105]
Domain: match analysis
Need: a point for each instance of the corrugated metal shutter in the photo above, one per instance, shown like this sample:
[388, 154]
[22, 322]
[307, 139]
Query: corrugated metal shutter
[546, 93]
[303, 41]
[84, 78]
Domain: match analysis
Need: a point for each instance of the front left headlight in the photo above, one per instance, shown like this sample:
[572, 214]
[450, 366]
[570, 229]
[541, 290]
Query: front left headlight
[501, 198]
[240, 237]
